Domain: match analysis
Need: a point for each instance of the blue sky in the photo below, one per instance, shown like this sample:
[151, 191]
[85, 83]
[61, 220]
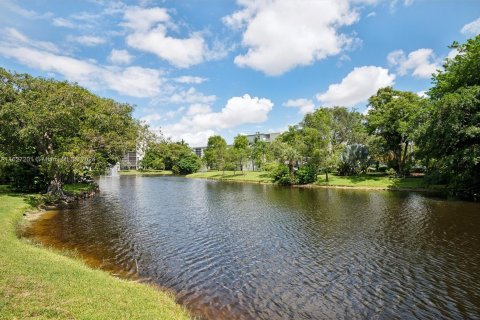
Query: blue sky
[203, 67]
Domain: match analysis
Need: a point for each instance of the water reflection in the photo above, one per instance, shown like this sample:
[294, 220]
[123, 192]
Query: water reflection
[245, 251]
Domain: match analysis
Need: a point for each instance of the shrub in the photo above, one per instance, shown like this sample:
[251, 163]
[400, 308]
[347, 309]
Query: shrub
[282, 176]
[391, 172]
[187, 164]
[306, 174]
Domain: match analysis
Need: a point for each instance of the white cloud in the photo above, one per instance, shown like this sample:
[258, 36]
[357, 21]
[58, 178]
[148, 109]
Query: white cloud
[422, 94]
[151, 118]
[472, 28]
[120, 57]
[62, 22]
[356, 87]
[89, 41]
[304, 105]
[452, 53]
[190, 80]
[191, 96]
[196, 128]
[148, 32]
[131, 81]
[422, 62]
[13, 36]
[29, 14]
[198, 108]
[141, 19]
[283, 34]
[371, 14]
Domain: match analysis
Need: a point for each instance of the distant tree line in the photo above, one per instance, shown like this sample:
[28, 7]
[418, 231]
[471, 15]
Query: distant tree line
[438, 134]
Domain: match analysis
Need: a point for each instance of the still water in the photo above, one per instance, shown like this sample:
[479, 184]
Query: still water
[247, 251]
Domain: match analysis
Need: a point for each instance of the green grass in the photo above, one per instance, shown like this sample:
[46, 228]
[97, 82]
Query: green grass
[78, 188]
[371, 181]
[247, 176]
[40, 283]
[145, 172]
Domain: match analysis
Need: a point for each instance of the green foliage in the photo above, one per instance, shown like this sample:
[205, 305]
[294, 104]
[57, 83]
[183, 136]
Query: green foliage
[187, 164]
[354, 160]
[164, 155]
[391, 172]
[281, 175]
[394, 118]
[449, 140]
[60, 130]
[306, 174]
[460, 72]
[215, 153]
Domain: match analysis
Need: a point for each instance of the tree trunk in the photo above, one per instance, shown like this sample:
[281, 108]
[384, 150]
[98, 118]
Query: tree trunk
[404, 160]
[326, 175]
[55, 187]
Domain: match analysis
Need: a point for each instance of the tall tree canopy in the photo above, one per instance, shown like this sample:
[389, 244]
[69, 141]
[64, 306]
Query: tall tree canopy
[450, 139]
[59, 130]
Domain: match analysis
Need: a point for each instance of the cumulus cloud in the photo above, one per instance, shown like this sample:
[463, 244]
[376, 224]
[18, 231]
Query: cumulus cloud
[148, 29]
[356, 87]
[191, 96]
[282, 34]
[195, 127]
[131, 81]
[472, 28]
[422, 63]
[120, 57]
[304, 105]
[190, 80]
[198, 108]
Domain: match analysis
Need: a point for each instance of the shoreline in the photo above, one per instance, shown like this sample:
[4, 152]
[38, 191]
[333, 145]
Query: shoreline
[319, 186]
[75, 288]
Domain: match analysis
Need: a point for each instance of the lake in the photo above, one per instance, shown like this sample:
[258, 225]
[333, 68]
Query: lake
[251, 251]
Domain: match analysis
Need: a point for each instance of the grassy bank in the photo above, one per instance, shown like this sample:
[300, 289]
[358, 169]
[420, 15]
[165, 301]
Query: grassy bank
[371, 181]
[41, 283]
[145, 172]
[75, 189]
[366, 181]
[247, 176]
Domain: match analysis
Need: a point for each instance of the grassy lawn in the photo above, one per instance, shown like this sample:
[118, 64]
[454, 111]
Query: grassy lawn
[371, 181]
[247, 176]
[78, 188]
[145, 173]
[40, 283]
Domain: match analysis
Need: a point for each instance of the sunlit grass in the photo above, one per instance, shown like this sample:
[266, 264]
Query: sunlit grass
[246, 176]
[371, 181]
[145, 172]
[40, 283]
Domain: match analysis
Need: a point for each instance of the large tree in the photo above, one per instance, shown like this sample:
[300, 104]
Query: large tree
[450, 138]
[60, 130]
[393, 116]
[215, 153]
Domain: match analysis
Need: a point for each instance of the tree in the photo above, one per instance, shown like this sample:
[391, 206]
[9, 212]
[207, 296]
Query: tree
[354, 159]
[259, 153]
[215, 152]
[450, 139]
[188, 163]
[240, 144]
[393, 117]
[61, 129]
